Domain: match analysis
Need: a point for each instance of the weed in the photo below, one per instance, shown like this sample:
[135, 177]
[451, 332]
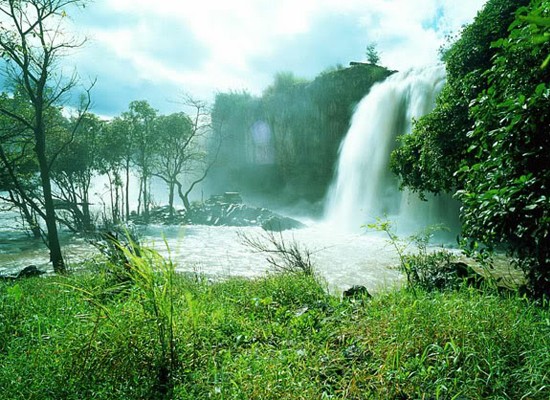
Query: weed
[283, 256]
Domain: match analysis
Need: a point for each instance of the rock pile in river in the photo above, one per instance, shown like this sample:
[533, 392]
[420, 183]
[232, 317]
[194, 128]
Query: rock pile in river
[223, 210]
[229, 211]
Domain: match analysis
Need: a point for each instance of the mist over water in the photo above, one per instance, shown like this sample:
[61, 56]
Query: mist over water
[364, 188]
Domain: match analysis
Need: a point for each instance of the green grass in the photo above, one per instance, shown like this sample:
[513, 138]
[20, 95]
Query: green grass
[278, 337]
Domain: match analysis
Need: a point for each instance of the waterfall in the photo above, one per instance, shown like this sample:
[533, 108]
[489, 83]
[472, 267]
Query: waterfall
[364, 188]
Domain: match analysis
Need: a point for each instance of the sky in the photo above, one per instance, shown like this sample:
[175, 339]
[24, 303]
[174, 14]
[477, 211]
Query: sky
[160, 50]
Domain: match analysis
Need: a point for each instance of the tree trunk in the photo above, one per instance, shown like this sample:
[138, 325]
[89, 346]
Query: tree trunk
[183, 196]
[139, 196]
[31, 221]
[111, 187]
[26, 213]
[127, 195]
[86, 213]
[56, 257]
[171, 198]
[145, 200]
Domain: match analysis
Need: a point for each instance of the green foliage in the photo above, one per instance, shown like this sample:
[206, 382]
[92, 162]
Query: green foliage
[539, 27]
[487, 138]
[424, 269]
[274, 337]
[428, 158]
[505, 194]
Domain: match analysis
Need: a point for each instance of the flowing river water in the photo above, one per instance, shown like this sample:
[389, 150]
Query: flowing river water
[341, 259]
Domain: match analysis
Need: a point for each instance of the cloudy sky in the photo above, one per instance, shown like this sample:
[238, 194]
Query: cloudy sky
[159, 49]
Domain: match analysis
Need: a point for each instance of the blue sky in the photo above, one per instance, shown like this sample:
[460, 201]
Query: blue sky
[159, 50]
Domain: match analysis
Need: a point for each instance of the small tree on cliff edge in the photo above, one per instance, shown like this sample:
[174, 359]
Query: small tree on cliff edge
[372, 53]
[31, 44]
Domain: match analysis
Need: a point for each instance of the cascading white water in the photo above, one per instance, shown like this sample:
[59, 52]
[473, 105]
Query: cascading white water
[364, 187]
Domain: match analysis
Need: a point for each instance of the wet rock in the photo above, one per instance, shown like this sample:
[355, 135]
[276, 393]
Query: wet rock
[27, 272]
[356, 292]
[30, 271]
[277, 223]
[221, 210]
[228, 210]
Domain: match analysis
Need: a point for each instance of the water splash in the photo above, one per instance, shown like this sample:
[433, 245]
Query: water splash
[364, 187]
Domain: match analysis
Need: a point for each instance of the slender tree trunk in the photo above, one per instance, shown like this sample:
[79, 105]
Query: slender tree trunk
[184, 197]
[127, 194]
[139, 196]
[31, 221]
[117, 199]
[56, 257]
[27, 215]
[86, 212]
[145, 199]
[171, 198]
[85, 198]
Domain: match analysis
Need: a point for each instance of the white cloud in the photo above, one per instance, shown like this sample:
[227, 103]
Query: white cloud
[228, 37]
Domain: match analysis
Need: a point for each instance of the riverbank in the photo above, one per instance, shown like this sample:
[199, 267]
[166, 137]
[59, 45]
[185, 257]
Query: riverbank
[278, 336]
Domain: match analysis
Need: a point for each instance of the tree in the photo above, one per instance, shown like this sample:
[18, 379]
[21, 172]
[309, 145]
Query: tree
[428, 158]
[32, 42]
[372, 53]
[506, 183]
[117, 149]
[18, 166]
[141, 117]
[487, 139]
[199, 164]
[177, 150]
[75, 167]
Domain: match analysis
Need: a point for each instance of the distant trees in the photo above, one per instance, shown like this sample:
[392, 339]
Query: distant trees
[76, 166]
[31, 44]
[195, 161]
[141, 118]
[175, 153]
[48, 160]
[169, 147]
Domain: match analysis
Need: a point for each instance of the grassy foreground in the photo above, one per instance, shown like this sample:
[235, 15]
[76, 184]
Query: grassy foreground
[279, 337]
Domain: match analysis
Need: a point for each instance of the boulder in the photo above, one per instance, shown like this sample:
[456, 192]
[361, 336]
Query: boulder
[356, 292]
[27, 272]
[277, 223]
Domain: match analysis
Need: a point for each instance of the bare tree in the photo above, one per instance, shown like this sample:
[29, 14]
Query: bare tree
[201, 165]
[283, 256]
[31, 42]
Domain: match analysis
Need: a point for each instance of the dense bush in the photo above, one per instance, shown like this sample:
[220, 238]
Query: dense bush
[506, 184]
[488, 137]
